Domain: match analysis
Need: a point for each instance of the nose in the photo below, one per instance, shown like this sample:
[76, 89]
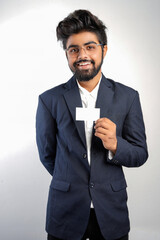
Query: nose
[82, 53]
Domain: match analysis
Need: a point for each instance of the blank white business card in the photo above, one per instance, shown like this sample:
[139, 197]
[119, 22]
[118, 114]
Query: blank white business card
[87, 114]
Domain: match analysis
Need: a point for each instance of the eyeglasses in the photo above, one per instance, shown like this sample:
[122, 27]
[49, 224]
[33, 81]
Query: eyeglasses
[89, 48]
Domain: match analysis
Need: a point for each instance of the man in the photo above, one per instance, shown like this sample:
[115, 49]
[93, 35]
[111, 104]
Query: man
[87, 130]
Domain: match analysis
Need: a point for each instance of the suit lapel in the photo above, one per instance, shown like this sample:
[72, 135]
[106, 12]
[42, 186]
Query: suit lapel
[104, 98]
[73, 100]
[104, 102]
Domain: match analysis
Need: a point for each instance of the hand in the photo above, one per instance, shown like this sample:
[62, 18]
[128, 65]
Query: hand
[105, 129]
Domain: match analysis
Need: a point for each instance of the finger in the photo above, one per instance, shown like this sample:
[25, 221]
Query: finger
[101, 136]
[102, 124]
[100, 120]
[101, 130]
[103, 119]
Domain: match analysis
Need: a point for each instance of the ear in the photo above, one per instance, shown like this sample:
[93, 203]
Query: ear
[105, 48]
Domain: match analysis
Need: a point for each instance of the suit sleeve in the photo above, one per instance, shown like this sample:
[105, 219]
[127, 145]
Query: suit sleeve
[132, 147]
[46, 136]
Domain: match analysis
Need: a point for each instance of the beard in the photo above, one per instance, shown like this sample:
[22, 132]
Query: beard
[86, 74]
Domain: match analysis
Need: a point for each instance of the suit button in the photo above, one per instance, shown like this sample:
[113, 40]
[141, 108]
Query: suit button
[85, 155]
[91, 185]
[116, 161]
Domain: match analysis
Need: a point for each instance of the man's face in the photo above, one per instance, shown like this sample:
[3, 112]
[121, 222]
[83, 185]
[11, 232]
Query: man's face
[84, 56]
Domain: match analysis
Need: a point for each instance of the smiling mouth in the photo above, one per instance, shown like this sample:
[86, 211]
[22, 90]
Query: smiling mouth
[83, 63]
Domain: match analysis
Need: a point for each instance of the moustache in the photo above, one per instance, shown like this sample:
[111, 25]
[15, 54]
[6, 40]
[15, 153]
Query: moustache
[80, 61]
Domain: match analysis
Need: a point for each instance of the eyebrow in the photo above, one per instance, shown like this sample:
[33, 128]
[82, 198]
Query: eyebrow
[74, 45]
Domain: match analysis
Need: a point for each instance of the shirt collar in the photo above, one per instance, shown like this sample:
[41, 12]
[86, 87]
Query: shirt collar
[85, 92]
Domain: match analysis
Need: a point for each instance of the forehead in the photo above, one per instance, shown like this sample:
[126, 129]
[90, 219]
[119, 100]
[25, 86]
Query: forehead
[81, 38]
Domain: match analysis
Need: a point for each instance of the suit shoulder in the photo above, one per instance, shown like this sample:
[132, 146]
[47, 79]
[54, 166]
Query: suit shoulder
[51, 96]
[55, 91]
[120, 88]
[59, 90]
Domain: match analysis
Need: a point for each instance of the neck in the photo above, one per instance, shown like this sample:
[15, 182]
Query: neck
[91, 84]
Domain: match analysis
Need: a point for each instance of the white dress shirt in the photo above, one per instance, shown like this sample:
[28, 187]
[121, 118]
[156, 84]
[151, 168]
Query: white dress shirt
[89, 101]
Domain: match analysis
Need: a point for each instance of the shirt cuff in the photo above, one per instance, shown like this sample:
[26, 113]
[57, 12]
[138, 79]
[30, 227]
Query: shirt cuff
[110, 155]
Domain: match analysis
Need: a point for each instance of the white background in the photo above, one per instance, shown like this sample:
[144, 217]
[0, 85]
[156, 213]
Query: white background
[31, 61]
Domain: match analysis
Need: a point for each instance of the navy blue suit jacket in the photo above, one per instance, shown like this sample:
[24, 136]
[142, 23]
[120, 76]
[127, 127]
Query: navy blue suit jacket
[62, 149]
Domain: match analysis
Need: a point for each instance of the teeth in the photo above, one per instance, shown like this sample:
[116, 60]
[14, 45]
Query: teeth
[83, 64]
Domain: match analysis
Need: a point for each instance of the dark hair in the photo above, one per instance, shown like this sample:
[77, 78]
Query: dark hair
[79, 21]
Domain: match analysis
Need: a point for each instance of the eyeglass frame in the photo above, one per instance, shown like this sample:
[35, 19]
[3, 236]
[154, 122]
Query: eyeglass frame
[82, 47]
